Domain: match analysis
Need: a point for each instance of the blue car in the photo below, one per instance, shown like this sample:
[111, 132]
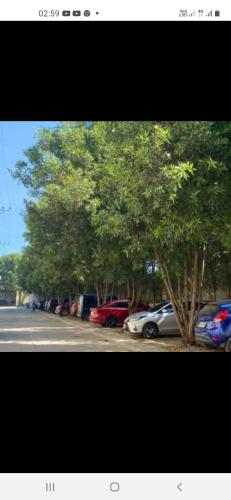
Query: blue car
[213, 326]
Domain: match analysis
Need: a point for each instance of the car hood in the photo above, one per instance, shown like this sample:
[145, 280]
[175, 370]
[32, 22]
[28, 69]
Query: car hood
[204, 318]
[138, 314]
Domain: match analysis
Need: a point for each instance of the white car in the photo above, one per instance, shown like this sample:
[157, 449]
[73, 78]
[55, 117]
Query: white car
[155, 321]
[160, 318]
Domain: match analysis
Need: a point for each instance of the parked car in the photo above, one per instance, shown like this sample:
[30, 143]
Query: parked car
[52, 304]
[63, 309]
[88, 301]
[112, 313]
[3, 302]
[73, 309]
[85, 302]
[42, 305]
[154, 322]
[213, 326]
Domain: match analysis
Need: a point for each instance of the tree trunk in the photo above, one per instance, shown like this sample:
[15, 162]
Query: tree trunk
[97, 293]
[186, 321]
[194, 294]
[153, 291]
[77, 293]
[201, 281]
[178, 312]
[129, 294]
[186, 294]
[134, 299]
[105, 292]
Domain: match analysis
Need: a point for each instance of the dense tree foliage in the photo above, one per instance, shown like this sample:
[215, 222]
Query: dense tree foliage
[9, 265]
[113, 200]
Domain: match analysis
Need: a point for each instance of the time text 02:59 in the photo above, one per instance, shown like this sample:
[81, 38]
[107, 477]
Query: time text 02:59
[49, 13]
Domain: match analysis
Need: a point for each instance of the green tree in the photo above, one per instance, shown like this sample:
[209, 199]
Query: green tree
[113, 196]
[170, 183]
[9, 265]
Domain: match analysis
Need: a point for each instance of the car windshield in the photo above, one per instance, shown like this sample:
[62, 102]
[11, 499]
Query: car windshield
[158, 306]
[209, 310]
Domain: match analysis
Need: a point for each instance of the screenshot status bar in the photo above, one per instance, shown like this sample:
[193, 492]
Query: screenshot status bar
[115, 10]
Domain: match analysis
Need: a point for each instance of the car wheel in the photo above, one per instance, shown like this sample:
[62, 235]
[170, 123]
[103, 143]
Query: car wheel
[111, 322]
[228, 345]
[85, 316]
[150, 331]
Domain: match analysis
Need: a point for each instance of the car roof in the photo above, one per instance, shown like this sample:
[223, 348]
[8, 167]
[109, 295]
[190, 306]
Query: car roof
[88, 295]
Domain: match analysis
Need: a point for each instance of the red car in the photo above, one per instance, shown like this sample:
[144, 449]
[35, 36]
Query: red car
[113, 313]
[74, 308]
[63, 309]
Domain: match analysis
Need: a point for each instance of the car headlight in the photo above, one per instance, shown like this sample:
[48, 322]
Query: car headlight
[211, 325]
[137, 318]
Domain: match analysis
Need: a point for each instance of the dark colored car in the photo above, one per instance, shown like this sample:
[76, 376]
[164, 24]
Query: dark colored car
[3, 302]
[213, 326]
[52, 305]
[85, 302]
[113, 313]
[42, 305]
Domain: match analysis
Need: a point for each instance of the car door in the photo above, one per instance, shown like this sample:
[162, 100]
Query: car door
[120, 310]
[167, 322]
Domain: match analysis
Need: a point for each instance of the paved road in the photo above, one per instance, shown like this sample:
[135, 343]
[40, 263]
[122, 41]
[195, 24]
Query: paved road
[23, 330]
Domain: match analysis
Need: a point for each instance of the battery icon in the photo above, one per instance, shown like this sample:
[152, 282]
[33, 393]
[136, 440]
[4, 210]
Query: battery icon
[217, 13]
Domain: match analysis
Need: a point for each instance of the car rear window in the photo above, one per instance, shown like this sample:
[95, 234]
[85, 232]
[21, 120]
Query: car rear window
[209, 310]
[120, 304]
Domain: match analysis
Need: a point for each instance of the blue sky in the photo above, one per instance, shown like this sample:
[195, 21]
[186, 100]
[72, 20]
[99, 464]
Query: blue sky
[15, 137]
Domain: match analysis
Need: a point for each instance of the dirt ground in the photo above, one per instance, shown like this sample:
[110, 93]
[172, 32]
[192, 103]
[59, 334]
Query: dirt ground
[174, 344]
